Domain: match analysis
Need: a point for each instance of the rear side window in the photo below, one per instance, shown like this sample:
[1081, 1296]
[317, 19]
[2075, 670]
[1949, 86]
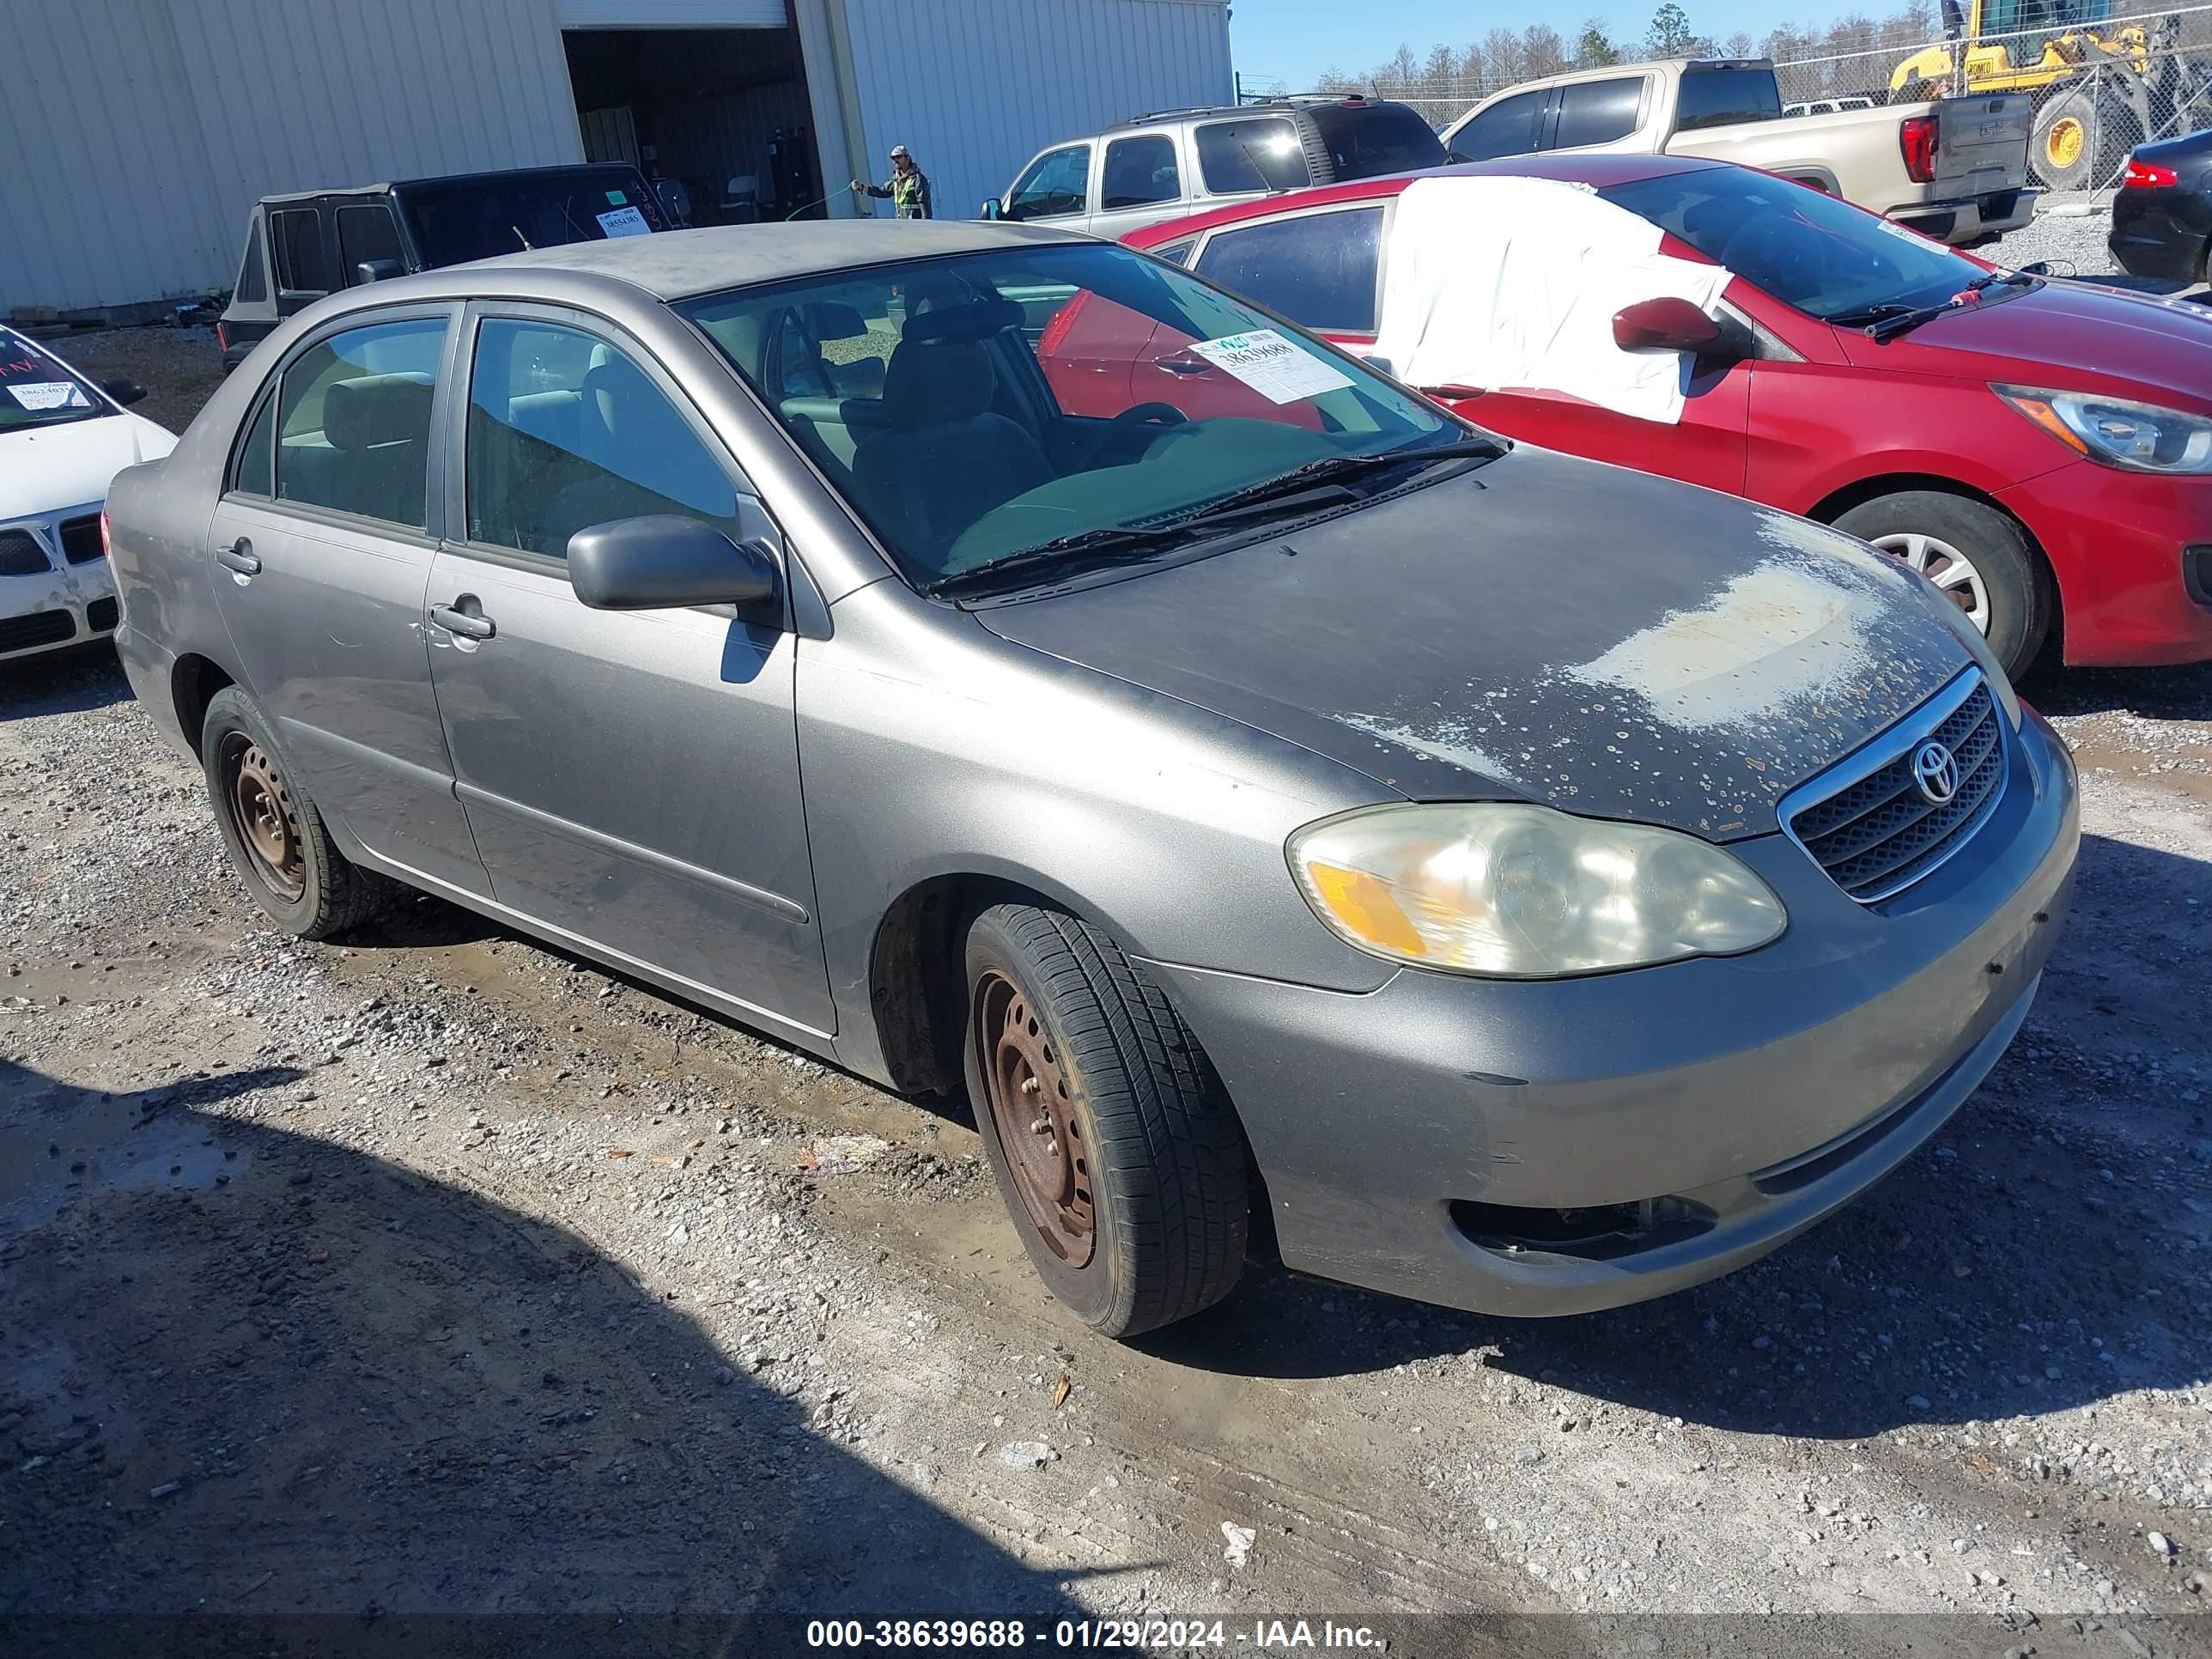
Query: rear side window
[302, 267]
[1723, 97]
[1598, 112]
[1176, 253]
[353, 422]
[366, 234]
[1510, 126]
[1318, 270]
[1056, 185]
[1141, 172]
[1366, 141]
[253, 278]
[257, 455]
[566, 430]
[1259, 154]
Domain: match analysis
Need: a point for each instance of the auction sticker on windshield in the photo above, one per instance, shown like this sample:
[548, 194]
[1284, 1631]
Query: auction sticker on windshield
[1272, 366]
[49, 394]
[624, 221]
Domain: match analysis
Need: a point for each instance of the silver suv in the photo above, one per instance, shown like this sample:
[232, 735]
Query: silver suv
[1159, 166]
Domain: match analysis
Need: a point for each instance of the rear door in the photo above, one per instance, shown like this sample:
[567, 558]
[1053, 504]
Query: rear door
[321, 548]
[1139, 182]
[302, 254]
[631, 777]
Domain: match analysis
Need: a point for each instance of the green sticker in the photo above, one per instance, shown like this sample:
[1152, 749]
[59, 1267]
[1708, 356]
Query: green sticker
[616, 197]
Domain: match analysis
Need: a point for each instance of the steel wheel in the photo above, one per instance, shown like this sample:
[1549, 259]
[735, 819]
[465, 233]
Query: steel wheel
[261, 808]
[1030, 1105]
[2062, 144]
[1947, 568]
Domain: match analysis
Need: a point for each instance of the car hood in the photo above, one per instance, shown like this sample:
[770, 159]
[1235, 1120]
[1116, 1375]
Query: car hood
[43, 469]
[1542, 628]
[2064, 336]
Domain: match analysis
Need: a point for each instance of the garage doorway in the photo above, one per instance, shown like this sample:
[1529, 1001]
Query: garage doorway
[717, 118]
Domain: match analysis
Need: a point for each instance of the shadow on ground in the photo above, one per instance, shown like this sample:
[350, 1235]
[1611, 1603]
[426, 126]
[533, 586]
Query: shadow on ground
[62, 683]
[282, 1377]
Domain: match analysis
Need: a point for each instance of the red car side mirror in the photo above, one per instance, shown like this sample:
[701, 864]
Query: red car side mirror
[1667, 325]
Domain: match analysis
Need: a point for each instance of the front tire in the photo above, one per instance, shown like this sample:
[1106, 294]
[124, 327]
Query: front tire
[276, 837]
[1978, 560]
[1115, 1148]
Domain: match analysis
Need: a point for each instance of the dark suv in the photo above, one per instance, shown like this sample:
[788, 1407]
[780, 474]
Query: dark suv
[1161, 167]
[301, 247]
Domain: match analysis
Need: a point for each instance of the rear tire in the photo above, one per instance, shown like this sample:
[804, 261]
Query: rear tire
[1938, 534]
[1118, 1154]
[276, 837]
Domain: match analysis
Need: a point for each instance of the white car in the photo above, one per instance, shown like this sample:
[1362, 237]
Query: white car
[62, 438]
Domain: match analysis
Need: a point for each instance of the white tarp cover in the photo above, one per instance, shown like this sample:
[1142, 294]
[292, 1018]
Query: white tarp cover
[1498, 282]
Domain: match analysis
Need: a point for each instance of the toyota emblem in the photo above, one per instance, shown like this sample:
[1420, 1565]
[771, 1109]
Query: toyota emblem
[1935, 769]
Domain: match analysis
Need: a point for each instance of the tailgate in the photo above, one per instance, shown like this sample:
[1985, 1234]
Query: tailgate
[1981, 144]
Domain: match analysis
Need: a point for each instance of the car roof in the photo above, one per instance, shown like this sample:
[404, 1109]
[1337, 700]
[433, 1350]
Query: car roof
[383, 185]
[1597, 171]
[1290, 104]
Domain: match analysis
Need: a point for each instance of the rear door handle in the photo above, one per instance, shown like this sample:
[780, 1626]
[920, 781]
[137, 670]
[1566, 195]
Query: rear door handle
[239, 556]
[469, 625]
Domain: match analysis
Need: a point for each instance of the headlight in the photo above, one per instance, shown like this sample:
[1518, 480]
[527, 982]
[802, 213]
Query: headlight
[2137, 437]
[1523, 892]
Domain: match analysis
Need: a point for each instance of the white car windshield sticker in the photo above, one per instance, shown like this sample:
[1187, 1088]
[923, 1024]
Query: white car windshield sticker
[1279, 371]
[624, 221]
[50, 394]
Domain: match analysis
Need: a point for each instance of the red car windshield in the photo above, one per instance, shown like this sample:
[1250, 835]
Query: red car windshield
[37, 389]
[1821, 255]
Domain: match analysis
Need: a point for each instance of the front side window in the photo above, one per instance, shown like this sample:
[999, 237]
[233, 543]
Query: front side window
[566, 430]
[302, 267]
[1808, 249]
[1141, 172]
[1057, 184]
[1598, 111]
[1319, 270]
[366, 234]
[1723, 97]
[1511, 127]
[39, 389]
[353, 422]
[1259, 154]
[971, 457]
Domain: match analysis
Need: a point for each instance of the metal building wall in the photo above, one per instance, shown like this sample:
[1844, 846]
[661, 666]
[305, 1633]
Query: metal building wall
[974, 88]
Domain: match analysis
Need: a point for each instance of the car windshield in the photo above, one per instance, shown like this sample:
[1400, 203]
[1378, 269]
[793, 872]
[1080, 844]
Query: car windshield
[1823, 256]
[996, 404]
[458, 220]
[37, 389]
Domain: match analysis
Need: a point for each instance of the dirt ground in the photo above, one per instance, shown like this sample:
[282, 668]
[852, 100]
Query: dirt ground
[433, 1272]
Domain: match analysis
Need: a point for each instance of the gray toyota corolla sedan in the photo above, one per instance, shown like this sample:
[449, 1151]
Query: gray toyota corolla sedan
[1300, 820]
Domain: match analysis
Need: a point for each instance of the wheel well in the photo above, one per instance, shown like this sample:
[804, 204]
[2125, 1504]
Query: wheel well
[915, 979]
[194, 684]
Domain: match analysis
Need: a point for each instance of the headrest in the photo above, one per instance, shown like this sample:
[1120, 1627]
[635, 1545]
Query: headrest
[831, 320]
[978, 320]
[376, 409]
[929, 383]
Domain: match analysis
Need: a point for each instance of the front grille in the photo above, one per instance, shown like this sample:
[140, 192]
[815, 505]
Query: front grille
[23, 554]
[1871, 826]
[101, 615]
[80, 539]
[39, 628]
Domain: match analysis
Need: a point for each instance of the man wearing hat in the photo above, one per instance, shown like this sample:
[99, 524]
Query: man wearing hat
[908, 186]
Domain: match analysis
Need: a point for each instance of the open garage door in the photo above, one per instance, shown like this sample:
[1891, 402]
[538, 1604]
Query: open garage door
[717, 118]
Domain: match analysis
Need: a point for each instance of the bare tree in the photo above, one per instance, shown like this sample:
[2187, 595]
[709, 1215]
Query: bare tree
[1738, 45]
[1440, 74]
[1503, 57]
[1542, 51]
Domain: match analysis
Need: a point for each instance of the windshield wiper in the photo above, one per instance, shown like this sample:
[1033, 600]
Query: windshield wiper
[1898, 320]
[1337, 469]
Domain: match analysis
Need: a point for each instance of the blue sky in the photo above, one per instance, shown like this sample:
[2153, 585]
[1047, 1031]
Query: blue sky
[1295, 41]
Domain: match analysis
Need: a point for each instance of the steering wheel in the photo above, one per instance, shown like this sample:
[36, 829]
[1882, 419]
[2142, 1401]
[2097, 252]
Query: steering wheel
[1127, 422]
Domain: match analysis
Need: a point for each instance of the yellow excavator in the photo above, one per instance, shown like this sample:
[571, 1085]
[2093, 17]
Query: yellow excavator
[2103, 85]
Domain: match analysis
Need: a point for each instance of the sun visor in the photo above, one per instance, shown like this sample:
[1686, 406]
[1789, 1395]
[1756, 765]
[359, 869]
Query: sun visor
[1513, 282]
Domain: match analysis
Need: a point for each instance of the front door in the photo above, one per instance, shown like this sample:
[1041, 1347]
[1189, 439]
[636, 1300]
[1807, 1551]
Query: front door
[320, 550]
[1706, 447]
[632, 778]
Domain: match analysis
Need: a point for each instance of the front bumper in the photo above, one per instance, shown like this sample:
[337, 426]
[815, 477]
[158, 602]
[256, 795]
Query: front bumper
[69, 603]
[1414, 1139]
[2129, 550]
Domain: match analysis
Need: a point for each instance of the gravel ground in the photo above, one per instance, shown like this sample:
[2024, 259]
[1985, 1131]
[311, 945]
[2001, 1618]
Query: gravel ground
[330, 1271]
[178, 367]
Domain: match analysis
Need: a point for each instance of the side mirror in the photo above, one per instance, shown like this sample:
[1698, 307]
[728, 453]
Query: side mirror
[663, 562]
[1381, 365]
[992, 209]
[1667, 325]
[125, 393]
[377, 271]
[2040, 268]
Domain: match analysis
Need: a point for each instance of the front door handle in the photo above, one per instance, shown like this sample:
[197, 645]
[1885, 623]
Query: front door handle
[239, 556]
[1181, 365]
[469, 624]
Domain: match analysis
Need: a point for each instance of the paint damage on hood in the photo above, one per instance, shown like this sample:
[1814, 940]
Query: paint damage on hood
[1545, 629]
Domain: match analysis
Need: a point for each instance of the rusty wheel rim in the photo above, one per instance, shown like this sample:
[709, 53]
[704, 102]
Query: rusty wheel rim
[261, 810]
[1034, 1114]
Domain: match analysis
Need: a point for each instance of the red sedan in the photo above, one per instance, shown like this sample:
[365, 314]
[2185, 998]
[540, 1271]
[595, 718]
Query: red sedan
[2042, 451]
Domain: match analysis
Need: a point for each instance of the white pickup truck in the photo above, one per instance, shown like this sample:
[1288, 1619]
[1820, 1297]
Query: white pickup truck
[1955, 169]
